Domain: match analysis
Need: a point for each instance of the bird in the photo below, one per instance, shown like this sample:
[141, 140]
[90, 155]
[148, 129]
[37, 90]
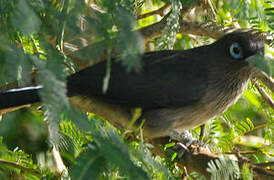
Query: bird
[175, 89]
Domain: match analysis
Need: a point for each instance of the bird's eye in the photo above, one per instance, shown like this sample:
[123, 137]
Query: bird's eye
[236, 51]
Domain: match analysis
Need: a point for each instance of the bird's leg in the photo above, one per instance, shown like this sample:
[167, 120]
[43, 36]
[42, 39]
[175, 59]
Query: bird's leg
[202, 133]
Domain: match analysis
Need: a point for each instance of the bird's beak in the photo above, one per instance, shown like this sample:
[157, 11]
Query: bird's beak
[261, 63]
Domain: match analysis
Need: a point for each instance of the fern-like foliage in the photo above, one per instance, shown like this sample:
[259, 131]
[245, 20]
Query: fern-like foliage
[106, 151]
[169, 32]
[223, 168]
[264, 20]
[269, 15]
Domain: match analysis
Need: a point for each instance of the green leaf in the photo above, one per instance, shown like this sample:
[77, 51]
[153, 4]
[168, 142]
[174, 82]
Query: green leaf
[89, 165]
[252, 98]
[261, 63]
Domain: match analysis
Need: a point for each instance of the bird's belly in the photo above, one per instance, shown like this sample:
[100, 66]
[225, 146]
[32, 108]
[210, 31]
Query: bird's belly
[159, 122]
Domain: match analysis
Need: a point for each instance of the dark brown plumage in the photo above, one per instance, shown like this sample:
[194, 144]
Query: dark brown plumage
[175, 89]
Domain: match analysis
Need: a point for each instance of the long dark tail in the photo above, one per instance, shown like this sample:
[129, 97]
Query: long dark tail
[18, 97]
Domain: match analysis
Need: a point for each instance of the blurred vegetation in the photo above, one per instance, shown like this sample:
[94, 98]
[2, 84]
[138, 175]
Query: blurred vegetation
[39, 42]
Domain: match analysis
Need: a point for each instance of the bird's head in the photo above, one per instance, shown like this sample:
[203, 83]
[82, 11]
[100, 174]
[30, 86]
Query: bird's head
[244, 49]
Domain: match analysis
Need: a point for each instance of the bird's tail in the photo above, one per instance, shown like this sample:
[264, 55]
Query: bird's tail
[19, 97]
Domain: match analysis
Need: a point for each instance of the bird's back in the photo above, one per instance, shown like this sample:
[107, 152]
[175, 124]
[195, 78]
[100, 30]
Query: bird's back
[168, 78]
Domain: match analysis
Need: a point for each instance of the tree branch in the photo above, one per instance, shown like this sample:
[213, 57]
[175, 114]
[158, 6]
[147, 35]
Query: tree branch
[197, 159]
[248, 152]
[200, 29]
[260, 173]
[3, 111]
[161, 11]
[265, 164]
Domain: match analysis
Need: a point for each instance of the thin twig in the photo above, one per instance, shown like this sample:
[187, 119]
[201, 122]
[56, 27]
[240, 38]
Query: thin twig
[3, 111]
[161, 11]
[58, 160]
[259, 126]
[265, 96]
[213, 9]
[249, 152]
[22, 168]
[267, 80]
[265, 164]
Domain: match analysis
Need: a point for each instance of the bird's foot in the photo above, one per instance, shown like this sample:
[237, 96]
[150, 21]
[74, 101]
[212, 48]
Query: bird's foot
[184, 137]
[185, 140]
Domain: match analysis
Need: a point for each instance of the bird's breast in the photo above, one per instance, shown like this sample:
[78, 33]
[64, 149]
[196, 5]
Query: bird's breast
[221, 93]
[225, 90]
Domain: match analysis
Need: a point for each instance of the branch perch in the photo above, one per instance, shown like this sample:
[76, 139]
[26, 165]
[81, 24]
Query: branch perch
[22, 168]
[197, 159]
[264, 95]
[161, 11]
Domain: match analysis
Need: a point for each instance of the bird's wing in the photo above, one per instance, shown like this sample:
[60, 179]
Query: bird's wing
[168, 78]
